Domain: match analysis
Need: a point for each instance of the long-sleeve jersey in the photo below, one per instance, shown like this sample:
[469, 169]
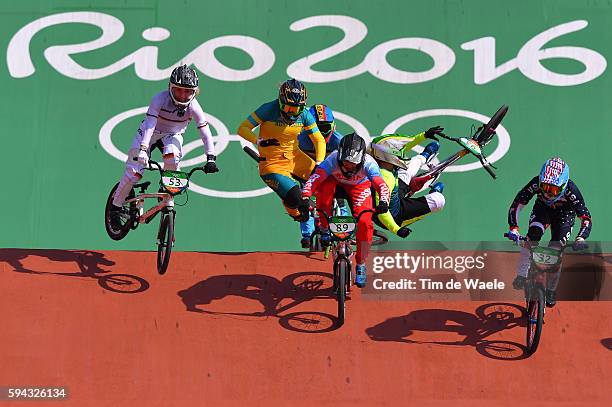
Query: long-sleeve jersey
[571, 200]
[164, 117]
[369, 173]
[277, 140]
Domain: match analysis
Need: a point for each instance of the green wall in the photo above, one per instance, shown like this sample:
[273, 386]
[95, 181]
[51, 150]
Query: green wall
[545, 59]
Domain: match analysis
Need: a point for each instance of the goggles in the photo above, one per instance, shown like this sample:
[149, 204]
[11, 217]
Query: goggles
[326, 127]
[550, 190]
[290, 110]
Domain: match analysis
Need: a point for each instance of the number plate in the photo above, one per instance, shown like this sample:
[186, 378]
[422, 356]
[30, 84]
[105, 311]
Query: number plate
[545, 256]
[471, 145]
[175, 181]
[342, 226]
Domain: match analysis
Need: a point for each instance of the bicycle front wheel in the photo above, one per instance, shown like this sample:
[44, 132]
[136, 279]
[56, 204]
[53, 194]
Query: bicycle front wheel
[535, 318]
[165, 241]
[341, 270]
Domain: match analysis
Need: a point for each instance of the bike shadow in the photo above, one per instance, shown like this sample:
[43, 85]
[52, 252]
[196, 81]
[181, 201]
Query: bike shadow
[89, 262]
[275, 296]
[607, 343]
[487, 320]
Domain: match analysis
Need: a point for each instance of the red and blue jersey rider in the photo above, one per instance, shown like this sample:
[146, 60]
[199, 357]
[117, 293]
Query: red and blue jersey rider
[351, 169]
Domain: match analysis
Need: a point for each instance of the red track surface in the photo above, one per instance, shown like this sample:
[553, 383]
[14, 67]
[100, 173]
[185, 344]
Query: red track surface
[224, 329]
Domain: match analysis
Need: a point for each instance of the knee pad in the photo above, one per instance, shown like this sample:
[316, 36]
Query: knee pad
[435, 201]
[293, 198]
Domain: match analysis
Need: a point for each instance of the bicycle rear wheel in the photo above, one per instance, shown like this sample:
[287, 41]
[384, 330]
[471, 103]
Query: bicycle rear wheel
[486, 133]
[341, 269]
[535, 319]
[127, 217]
[165, 241]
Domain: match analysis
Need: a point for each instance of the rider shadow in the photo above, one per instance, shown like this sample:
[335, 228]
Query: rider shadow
[275, 296]
[89, 264]
[607, 343]
[475, 328]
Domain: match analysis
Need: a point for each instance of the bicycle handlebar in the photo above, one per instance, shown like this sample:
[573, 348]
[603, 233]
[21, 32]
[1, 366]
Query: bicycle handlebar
[520, 237]
[356, 219]
[153, 164]
[253, 154]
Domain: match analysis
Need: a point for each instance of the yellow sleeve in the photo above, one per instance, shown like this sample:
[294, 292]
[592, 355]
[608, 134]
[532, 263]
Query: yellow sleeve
[386, 218]
[319, 145]
[407, 148]
[245, 130]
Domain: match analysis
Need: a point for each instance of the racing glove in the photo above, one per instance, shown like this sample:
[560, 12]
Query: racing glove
[210, 166]
[580, 244]
[382, 207]
[513, 234]
[404, 231]
[433, 131]
[269, 142]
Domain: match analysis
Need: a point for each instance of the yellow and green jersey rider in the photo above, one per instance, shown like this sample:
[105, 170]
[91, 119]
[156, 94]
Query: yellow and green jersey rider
[391, 152]
[281, 158]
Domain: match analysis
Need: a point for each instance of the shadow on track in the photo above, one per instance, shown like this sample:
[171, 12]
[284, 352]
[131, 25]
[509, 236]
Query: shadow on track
[88, 262]
[487, 320]
[607, 343]
[275, 296]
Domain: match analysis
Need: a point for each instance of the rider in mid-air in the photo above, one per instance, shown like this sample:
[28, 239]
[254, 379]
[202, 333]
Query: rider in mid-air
[351, 168]
[280, 122]
[167, 117]
[391, 152]
[558, 204]
[327, 126]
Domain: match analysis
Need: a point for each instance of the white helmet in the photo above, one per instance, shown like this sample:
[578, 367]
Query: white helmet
[389, 150]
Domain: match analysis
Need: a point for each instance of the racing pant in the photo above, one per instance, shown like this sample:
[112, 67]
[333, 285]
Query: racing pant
[561, 221]
[171, 145]
[281, 174]
[414, 209]
[360, 196]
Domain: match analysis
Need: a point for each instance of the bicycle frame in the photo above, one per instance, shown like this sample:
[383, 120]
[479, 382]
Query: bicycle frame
[167, 201]
[167, 198]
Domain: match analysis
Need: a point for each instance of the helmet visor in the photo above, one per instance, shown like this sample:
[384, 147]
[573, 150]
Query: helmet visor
[289, 109]
[182, 95]
[550, 191]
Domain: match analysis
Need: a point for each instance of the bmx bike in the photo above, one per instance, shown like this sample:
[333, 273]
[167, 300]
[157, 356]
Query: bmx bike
[172, 183]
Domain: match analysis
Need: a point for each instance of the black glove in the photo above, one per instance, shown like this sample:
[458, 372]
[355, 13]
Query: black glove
[305, 205]
[304, 208]
[382, 207]
[432, 132]
[404, 231]
[269, 142]
[580, 244]
[210, 166]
